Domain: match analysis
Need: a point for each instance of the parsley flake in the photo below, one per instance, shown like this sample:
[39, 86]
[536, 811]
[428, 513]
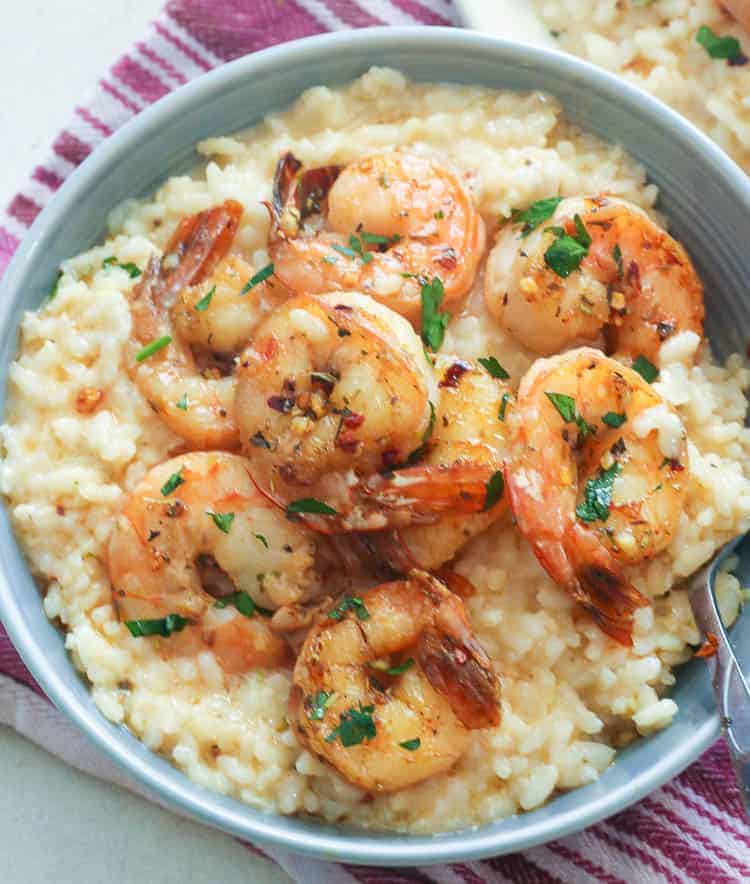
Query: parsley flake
[503, 406]
[538, 211]
[153, 347]
[434, 323]
[647, 370]
[53, 288]
[566, 407]
[617, 257]
[613, 419]
[257, 278]
[174, 481]
[183, 403]
[411, 745]
[163, 626]
[316, 705]
[356, 726]
[261, 539]
[310, 505]
[566, 252]
[350, 603]
[597, 495]
[205, 300]
[349, 253]
[728, 48]
[400, 668]
[493, 367]
[240, 600]
[133, 270]
[223, 521]
[418, 453]
[494, 490]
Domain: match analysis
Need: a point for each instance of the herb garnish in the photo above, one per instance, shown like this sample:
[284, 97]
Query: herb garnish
[205, 301]
[434, 323]
[323, 377]
[183, 403]
[597, 495]
[566, 252]
[355, 727]
[261, 539]
[494, 490]
[310, 505]
[350, 603]
[493, 367]
[223, 521]
[617, 257]
[728, 48]
[566, 408]
[613, 419]
[503, 405]
[257, 278]
[163, 626]
[411, 745]
[330, 259]
[153, 347]
[53, 288]
[538, 211]
[349, 253]
[375, 239]
[242, 601]
[400, 668]
[316, 705]
[133, 270]
[174, 481]
[418, 453]
[647, 370]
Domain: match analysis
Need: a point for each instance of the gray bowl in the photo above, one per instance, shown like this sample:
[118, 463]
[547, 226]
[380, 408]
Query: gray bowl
[707, 199]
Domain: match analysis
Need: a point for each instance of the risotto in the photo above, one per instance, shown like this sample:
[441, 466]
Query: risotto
[79, 436]
[654, 45]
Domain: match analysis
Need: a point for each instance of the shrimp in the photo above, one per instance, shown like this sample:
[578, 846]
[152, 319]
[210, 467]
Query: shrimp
[194, 296]
[194, 530]
[387, 687]
[391, 222]
[470, 428]
[635, 283]
[331, 391]
[597, 475]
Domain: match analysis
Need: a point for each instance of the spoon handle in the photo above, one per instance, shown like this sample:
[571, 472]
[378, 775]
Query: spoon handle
[729, 683]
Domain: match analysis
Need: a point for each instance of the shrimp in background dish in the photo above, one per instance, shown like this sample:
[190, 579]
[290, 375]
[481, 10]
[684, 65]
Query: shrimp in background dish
[389, 222]
[597, 476]
[389, 684]
[197, 522]
[333, 394]
[635, 283]
[194, 297]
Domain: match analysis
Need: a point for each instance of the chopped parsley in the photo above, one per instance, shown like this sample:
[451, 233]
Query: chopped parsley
[174, 481]
[316, 705]
[434, 323]
[261, 539]
[597, 495]
[205, 301]
[647, 370]
[493, 367]
[310, 505]
[613, 419]
[257, 278]
[53, 288]
[223, 521]
[163, 626]
[728, 48]
[240, 600]
[566, 252]
[183, 403]
[355, 243]
[418, 453]
[153, 347]
[439, 215]
[349, 253]
[494, 490]
[503, 405]
[133, 270]
[356, 726]
[537, 212]
[330, 259]
[350, 603]
[375, 239]
[323, 377]
[400, 668]
[617, 257]
[566, 407]
[411, 745]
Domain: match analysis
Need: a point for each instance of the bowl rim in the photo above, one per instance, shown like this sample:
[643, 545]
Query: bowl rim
[180, 793]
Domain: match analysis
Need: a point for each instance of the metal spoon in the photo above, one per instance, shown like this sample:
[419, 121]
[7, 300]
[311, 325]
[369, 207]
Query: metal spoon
[730, 685]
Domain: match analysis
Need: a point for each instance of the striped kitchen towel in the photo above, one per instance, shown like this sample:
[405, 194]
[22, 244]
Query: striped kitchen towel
[693, 829]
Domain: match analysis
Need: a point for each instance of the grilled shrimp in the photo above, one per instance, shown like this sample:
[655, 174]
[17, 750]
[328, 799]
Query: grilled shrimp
[469, 429]
[390, 220]
[332, 391]
[597, 476]
[194, 297]
[389, 684]
[636, 283]
[196, 530]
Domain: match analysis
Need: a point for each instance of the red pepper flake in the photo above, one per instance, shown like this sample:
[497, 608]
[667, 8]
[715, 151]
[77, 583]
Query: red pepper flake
[347, 441]
[709, 647]
[390, 458]
[280, 403]
[345, 307]
[676, 466]
[453, 374]
[448, 259]
[352, 420]
[633, 275]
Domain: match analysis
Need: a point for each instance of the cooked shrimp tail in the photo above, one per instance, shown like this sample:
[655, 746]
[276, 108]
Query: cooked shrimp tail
[298, 194]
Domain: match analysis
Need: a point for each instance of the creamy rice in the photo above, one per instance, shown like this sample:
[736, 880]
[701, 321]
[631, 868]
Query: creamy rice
[570, 695]
[653, 45]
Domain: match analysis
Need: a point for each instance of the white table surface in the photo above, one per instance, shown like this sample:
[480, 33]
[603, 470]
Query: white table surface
[58, 825]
